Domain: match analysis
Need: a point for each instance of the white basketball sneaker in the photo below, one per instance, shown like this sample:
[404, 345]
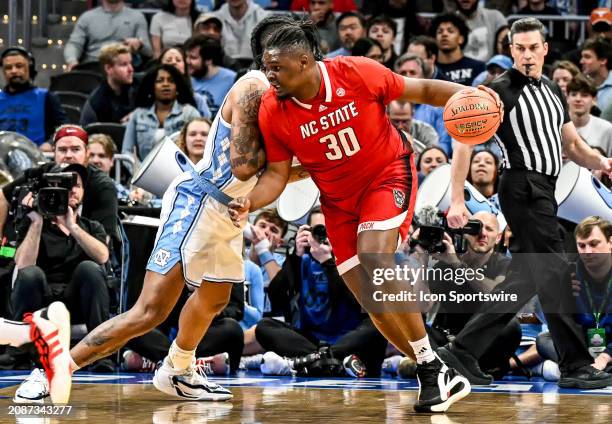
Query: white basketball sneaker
[188, 384]
[50, 333]
[34, 389]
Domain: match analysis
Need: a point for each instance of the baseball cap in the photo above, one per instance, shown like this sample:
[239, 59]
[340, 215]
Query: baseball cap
[500, 60]
[73, 167]
[71, 130]
[601, 19]
[207, 17]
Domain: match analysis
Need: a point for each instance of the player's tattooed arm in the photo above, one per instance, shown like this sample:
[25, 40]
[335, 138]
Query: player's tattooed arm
[247, 156]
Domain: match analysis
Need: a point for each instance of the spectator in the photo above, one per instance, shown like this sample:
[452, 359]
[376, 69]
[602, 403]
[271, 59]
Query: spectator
[539, 7]
[193, 138]
[24, 108]
[483, 24]
[451, 35]
[496, 66]
[238, 18]
[430, 159]
[595, 131]
[563, 71]
[351, 27]
[111, 22]
[589, 281]
[423, 134]
[172, 25]
[59, 258]
[318, 309]
[404, 13]
[484, 174]
[322, 14]
[175, 56]
[411, 65]
[596, 62]
[426, 48]
[113, 100]
[102, 150]
[600, 26]
[384, 29]
[339, 6]
[451, 317]
[163, 104]
[267, 234]
[502, 41]
[370, 48]
[100, 198]
[208, 77]
[209, 25]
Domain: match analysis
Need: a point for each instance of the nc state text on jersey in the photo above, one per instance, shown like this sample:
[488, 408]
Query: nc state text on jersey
[329, 120]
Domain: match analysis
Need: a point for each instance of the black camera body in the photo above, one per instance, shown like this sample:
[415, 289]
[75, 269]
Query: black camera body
[319, 233]
[431, 236]
[51, 191]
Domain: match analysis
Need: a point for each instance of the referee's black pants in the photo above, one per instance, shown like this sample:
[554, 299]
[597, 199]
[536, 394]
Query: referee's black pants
[539, 266]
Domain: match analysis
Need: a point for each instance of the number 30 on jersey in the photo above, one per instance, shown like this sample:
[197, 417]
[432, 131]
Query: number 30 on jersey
[342, 144]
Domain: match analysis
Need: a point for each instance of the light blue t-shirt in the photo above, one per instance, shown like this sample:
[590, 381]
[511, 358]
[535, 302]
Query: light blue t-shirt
[215, 88]
[253, 295]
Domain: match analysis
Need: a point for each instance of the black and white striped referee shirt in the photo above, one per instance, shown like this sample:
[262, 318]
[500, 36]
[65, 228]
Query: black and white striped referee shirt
[534, 112]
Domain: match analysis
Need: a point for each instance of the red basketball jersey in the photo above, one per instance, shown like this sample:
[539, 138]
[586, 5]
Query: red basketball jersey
[343, 136]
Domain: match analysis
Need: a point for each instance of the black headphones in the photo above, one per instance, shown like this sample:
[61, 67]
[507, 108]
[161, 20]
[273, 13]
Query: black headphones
[22, 52]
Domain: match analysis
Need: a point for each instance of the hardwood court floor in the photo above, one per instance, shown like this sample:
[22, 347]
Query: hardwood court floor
[130, 398]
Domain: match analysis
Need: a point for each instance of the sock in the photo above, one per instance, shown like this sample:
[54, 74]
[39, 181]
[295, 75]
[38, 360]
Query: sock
[422, 350]
[180, 359]
[14, 333]
[73, 365]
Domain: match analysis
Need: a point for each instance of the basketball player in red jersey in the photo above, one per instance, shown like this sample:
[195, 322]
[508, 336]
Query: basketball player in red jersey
[331, 116]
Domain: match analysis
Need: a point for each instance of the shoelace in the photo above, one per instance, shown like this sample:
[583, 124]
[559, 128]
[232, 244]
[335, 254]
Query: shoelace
[205, 366]
[199, 367]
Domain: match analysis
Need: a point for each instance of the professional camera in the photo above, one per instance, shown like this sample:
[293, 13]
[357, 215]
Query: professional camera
[51, 192]
[431, 236]
[319, 233]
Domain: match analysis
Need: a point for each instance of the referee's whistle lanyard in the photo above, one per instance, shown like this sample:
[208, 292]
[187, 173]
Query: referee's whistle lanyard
[597, 315]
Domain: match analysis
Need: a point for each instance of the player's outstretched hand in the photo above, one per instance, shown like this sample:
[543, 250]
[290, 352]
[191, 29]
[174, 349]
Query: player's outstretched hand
[500, 104]
[238, 210]
[457, 215]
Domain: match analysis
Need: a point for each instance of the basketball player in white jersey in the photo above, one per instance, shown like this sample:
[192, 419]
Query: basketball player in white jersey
[196, 243]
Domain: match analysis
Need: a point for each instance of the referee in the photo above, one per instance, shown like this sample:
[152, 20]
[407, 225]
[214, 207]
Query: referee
[536, 129]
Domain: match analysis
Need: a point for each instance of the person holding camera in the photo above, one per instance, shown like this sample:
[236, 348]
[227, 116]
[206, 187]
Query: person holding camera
[323, 322]
[489, 269]
[24, 108]
[70, 145]
[59, 258]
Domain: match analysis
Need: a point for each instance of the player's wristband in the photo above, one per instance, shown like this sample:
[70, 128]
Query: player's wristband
[265, 257]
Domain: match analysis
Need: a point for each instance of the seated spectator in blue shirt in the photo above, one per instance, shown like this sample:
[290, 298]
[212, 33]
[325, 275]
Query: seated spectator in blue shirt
[351, 27]
[24, 108]
[484, 174]
[413, 66]
[208, 77]
[164, 103]
[318, 310]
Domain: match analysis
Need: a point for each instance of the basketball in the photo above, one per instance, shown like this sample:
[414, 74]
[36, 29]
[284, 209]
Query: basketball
[471, 116]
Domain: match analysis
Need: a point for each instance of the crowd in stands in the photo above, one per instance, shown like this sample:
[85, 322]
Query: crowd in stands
[167, 76]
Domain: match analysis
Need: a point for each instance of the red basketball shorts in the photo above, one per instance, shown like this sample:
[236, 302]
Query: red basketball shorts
[387, 203]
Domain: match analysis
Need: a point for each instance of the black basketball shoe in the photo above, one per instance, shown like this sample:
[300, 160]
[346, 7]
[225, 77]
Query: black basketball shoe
[439, 386]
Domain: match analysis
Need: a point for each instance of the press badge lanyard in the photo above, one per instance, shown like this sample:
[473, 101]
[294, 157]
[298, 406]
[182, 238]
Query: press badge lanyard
[597, 315]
